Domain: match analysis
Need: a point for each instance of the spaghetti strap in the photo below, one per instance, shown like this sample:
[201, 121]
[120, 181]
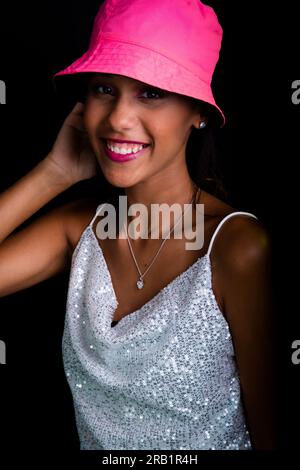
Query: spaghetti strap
[222, 222]
[97, 212]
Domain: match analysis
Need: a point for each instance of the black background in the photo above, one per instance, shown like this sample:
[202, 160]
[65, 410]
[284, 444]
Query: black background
[252, 84]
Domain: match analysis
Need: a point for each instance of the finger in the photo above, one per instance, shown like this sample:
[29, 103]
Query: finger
[75, 118]
[78, 108]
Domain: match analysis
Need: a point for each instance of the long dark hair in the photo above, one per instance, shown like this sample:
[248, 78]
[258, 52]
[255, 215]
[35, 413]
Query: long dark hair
[204, 155]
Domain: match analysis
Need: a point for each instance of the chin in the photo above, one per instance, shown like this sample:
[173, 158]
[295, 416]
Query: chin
[122, 175]
[119, 178]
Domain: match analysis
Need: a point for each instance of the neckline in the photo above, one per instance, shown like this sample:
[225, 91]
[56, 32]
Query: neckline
[132, 314]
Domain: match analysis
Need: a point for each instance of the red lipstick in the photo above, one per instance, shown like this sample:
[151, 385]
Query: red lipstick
[118, 157]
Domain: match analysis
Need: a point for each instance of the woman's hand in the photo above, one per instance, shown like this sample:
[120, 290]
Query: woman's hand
[71, 158]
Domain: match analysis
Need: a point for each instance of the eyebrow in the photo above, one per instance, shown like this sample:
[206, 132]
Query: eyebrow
[104, 75]
[113, 76]
[100, 76]
[110, 75]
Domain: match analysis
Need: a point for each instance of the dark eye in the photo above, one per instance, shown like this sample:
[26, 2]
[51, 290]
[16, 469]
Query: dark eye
[97, 87]
[152, 92]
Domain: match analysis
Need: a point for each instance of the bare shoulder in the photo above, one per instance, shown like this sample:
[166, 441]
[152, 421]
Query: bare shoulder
[241, 238]
[76, 215]
[243, 242]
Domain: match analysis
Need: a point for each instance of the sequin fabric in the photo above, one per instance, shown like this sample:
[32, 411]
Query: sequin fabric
[164, 377]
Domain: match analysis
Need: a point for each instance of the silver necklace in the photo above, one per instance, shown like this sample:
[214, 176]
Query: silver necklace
[140, 281]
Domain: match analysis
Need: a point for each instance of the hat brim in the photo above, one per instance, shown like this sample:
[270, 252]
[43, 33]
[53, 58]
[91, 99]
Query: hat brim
[153, 68]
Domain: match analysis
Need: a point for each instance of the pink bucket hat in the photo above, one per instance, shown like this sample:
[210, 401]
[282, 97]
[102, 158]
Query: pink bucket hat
[170, 44]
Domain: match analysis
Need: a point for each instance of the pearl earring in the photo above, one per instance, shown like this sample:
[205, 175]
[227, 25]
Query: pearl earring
[202, 125]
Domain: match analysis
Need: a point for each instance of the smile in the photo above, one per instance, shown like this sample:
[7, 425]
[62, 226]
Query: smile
[124, 152]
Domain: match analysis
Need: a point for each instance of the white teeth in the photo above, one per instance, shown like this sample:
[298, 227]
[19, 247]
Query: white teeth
[125, 148]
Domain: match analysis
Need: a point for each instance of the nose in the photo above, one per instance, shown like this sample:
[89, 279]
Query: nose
[122, 114]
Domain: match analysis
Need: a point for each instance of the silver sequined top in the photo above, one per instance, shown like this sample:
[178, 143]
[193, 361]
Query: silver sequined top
[165, 377]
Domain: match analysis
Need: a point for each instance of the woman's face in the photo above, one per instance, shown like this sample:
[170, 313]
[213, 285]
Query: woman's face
[121, 108]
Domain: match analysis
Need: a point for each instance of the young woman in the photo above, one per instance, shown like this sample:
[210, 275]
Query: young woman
[163, 348]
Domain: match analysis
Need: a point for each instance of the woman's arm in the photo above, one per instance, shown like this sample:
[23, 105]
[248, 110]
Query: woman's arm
[42, 249]
[243, 271]
[28, 195]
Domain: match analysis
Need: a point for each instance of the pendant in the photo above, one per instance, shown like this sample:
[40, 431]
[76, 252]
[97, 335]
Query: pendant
[140, 283]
